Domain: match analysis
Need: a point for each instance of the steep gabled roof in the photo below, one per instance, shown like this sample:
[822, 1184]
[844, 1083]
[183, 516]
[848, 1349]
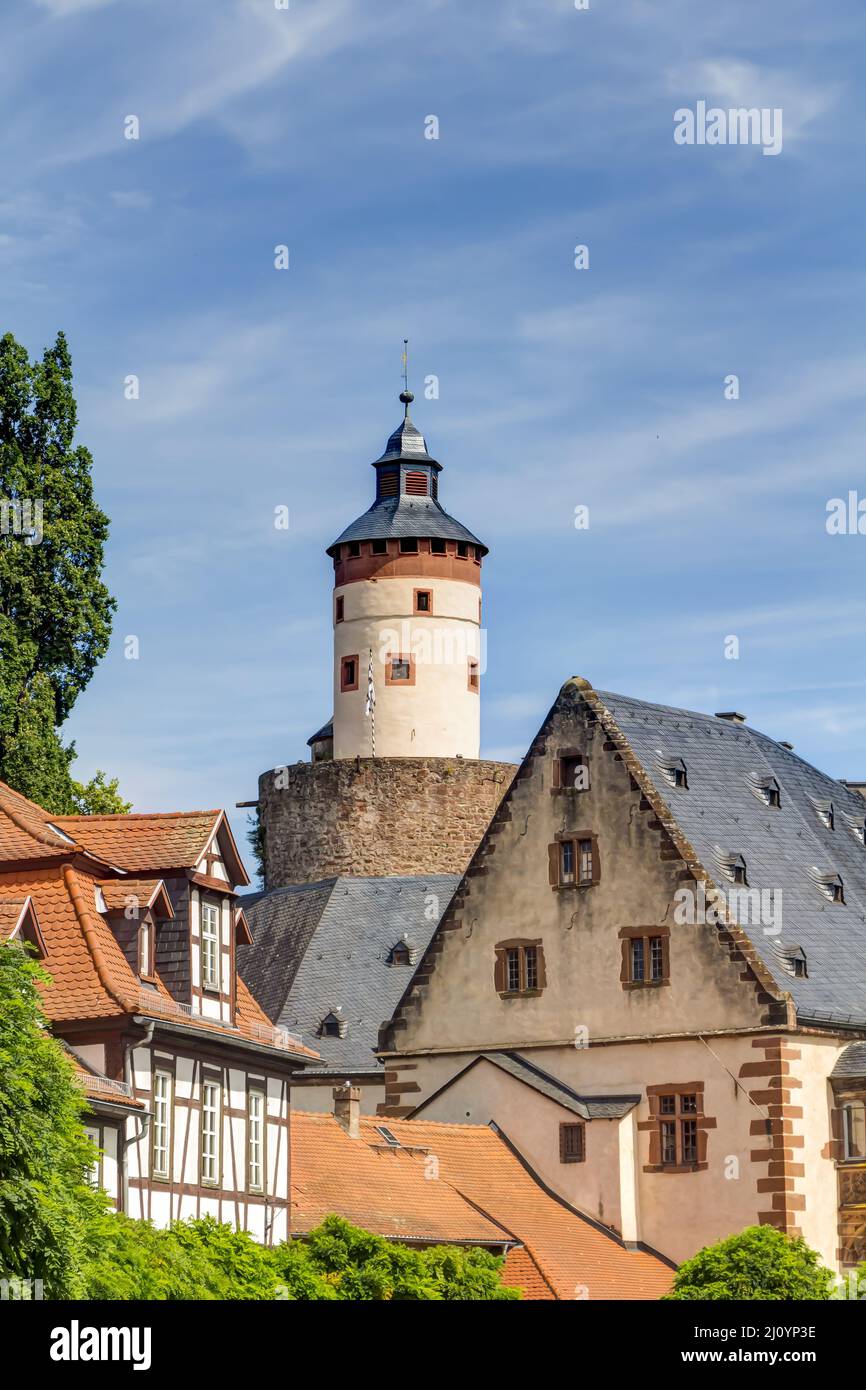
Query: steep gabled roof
[139, 843]
[27, 832]
[477, 1190]
[587, 1107]
[322, 946]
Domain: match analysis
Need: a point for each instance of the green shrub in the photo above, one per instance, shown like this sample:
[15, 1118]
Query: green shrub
[759, 1263]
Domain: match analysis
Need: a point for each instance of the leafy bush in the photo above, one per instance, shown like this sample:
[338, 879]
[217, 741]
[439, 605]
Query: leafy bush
[759, 1263]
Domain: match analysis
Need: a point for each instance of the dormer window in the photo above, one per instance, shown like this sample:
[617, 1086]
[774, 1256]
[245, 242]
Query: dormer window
[210, 947]
[732, 865]
[333, 1025]
[824, 811]
[405, 952]
[673, 769]
[738, 873]
[830, 884]
[857, 826]
[145, 946]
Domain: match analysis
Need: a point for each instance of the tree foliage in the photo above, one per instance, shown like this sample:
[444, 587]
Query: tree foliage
[203, 1260]
[55, 612]
[759, 1263]
[47, 1206]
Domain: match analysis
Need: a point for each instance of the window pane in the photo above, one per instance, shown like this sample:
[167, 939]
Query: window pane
[667, 1105]
[656, 958]
[255, 1138]
[637, 963]
[669, 1141]
[210, 946]
[513, 969]
[209, 1131]
[531, 956]
[689, 1141]
[161, 1123]
[585, 848]
[400, 670]
[855, 1130]
[689, 1105]
[566, 861]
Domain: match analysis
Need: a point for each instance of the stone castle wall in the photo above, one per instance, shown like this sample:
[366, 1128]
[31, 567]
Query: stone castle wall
[376, 816]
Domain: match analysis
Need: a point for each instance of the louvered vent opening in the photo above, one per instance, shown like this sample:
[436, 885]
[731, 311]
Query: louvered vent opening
[416, 484]
[389, 483]
[434, 487]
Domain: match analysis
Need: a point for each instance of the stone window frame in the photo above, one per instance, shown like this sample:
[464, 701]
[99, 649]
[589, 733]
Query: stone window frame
[339, 608]
[627, 935]
[500, 968]
[558, 784]
[554, 853]
[679, 1116]
[349, 685]
[568, 1130]
[422, 612]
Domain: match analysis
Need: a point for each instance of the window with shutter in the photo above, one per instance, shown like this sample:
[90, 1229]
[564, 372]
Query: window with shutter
[519, 968]
[572, 1143]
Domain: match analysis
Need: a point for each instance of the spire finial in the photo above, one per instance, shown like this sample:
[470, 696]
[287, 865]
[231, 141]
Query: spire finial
[406, 395]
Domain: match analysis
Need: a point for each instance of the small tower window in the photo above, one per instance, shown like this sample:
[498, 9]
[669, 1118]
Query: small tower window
[474, 678]
[416, 484]
[378, 547]
[399, 670]
[462, 550]
[353, 549]
[423, 601]
[408, 546]
[338, 606]
[349, 673]
[438, 548]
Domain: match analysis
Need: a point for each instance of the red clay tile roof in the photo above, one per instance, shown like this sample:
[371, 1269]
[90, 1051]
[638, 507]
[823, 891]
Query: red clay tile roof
[570, 1256]
[25, 831]
[117, 892]
[384, 1190]
[144, 842]
[521, 1272]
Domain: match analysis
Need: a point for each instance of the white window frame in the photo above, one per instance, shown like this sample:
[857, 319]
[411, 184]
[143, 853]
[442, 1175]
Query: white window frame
[162, 1127]
[256, 1135]
[211, 947]
[211, 1116]
[94, 1170]
[144, 946]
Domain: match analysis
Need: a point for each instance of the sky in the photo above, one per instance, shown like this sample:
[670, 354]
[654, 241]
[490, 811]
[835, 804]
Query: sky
[558, 388]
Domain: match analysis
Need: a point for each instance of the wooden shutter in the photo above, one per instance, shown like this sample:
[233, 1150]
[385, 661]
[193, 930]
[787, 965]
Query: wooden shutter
[553, 865]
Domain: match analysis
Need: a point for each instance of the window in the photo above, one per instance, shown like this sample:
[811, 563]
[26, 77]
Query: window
[161, 1143]
[574, 861]
[462, 550]
[423, 601]
[566, 861]
[854, 1129]
[473, 679]
[644, 956]
[348, 673]
[210, 946]
[677, 1128]
[94, 1171]
[572, 1143]
[738, 873]
[408, 546]
[210, 1121]
[570, 772]
[438, 548]
[773, 794]
[145, 946]
[519, 968]
[399, 670]
[378, 547]
[333, 1025]
[339, 604]
[353, 549]
[255, 1140]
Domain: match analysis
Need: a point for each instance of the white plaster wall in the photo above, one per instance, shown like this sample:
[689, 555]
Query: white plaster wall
[438, 716]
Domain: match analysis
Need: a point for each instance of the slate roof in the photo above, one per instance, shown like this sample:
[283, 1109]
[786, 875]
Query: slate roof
[322, 946]
[482, 1191]
[403, 517]
[851, 1062]
[587, 1107]
[787, 849]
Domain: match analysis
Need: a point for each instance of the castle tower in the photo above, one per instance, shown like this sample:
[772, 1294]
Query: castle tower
[407, 617]
[395, 785]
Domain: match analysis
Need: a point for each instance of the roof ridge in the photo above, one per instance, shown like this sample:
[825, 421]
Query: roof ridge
[45, 838]
[136, 815]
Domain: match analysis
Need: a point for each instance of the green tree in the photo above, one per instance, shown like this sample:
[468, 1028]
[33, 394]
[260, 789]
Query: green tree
[46, 1203]
[759, 1263]
[99, 797]
[55, 612]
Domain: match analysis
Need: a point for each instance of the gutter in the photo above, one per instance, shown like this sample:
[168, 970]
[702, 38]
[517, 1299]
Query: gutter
[128, 1139]
[188, 1030]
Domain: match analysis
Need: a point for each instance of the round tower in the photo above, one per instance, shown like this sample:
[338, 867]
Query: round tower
[407, 618]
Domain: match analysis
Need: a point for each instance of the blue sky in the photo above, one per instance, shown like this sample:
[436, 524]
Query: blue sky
[558, 387]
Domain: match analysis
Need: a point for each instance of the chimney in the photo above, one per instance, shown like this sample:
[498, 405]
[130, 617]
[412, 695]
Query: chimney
[347, 1108]
[731, 715]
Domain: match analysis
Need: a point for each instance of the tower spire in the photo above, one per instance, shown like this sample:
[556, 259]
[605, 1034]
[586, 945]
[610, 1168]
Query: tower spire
[406, 395]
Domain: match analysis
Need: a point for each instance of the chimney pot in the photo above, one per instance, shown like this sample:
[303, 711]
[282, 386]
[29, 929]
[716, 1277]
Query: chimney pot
[732, 715]
[347, 1109]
